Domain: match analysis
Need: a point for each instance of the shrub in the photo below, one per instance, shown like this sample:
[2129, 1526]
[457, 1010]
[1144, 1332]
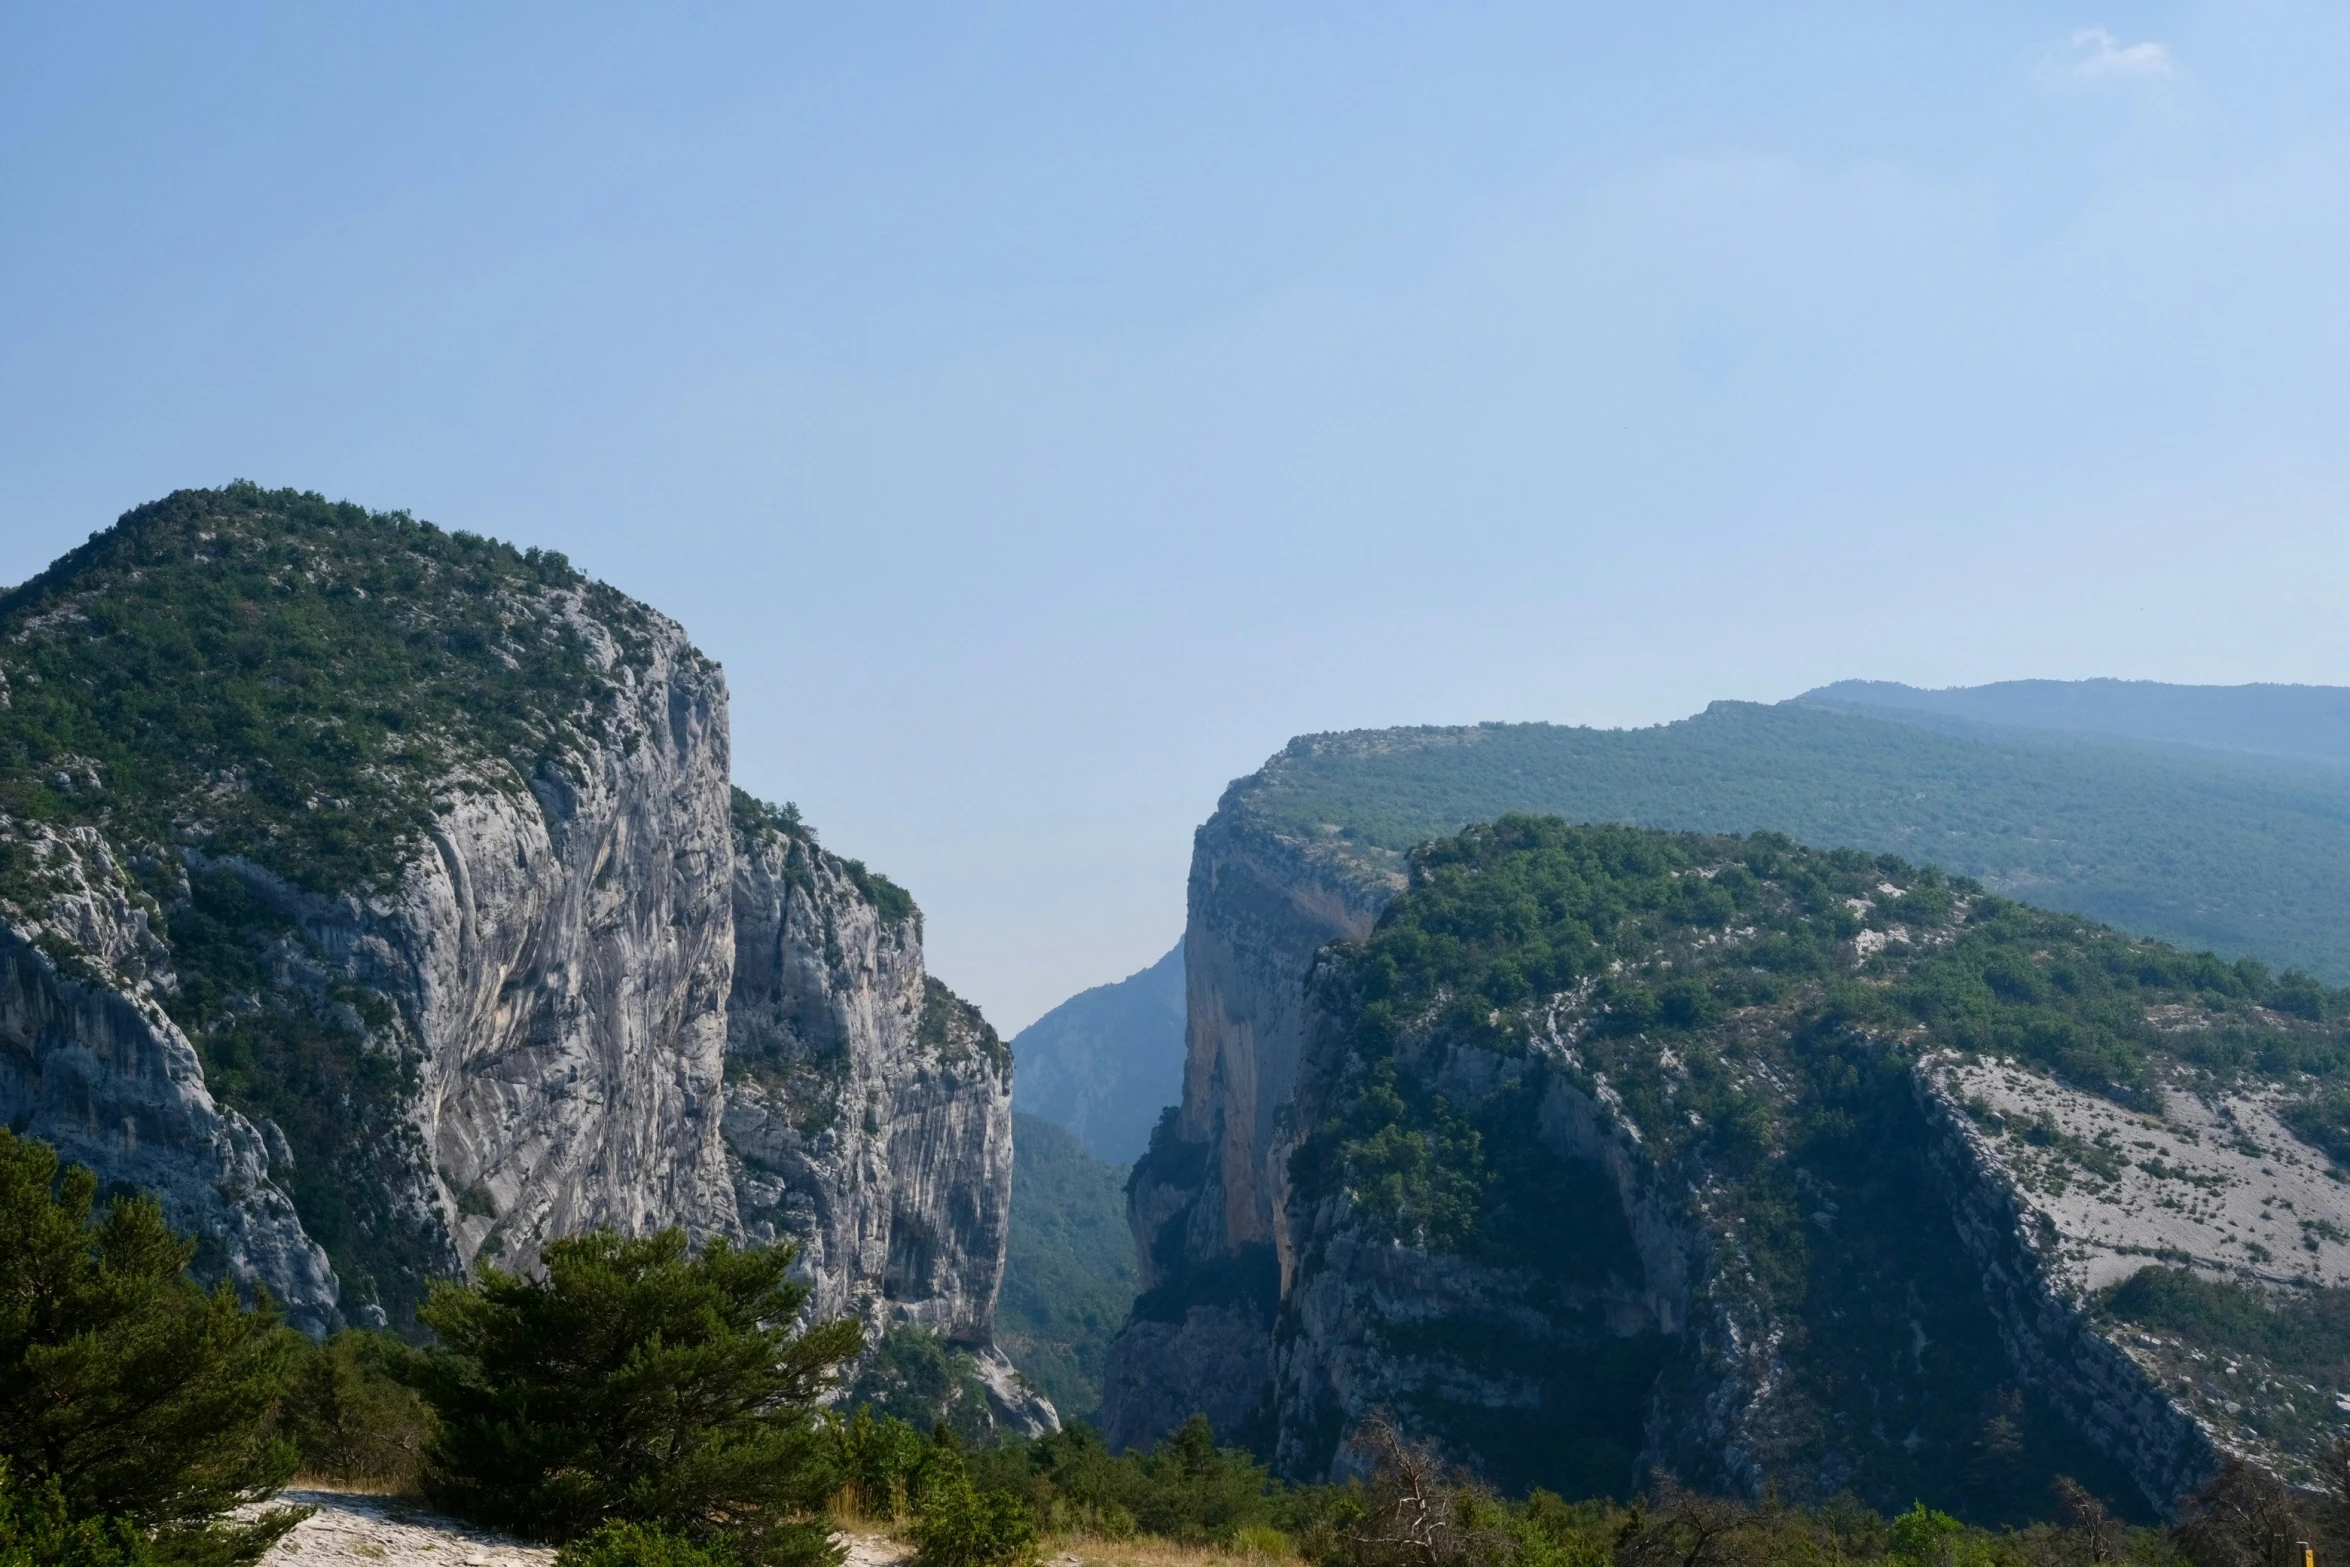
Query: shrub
[1263, 1540]
[1922, 1537]
[1417, 1511]
[960, 1525]
[636, 1383]
[350, 1416]
[37, 1531]
[125, 1390]
[2243, 1518]
[876, 1461]
[637, 1545]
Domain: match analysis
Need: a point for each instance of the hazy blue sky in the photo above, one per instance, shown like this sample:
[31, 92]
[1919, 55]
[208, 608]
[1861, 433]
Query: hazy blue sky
[1046, 411]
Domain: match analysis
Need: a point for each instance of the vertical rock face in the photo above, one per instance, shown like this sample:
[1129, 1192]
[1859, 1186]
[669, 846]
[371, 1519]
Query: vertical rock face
[561, 960]
[869, 1109]
[1204, 1201]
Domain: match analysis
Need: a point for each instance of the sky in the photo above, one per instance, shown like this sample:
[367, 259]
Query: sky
[1045, 411]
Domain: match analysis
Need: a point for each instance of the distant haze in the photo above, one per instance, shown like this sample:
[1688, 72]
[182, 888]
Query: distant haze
[1104, 1063]
[2262, 720]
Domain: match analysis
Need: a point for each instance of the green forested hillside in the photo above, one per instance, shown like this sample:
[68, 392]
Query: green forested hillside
[1068, 1266]
[2244, 855]
[2310, 722]
[284, 676]
[1707, 989]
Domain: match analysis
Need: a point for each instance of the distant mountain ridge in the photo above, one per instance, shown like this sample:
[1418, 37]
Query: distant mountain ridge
[2311, 723]
[1105, 1062]
[2246, 854]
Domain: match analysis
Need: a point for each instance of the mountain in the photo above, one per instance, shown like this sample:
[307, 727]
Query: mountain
[1105, 1062]
[2307, 722]
[1069, 1271]
[2241, 853]
[376, 896]
[1806, 1169]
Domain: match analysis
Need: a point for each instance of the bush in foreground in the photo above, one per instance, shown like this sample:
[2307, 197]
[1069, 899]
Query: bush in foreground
[636, 1383]
[37, 1531]
[352, 1418]
[960, 1525]
[126, 1391]
[639, 1545]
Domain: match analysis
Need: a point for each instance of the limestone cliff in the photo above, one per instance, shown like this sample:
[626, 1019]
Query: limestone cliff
[373, 895]
[94, 1064]
[869, 1109]
[1586, 1179]
[1202, 1201]
[483, 1008]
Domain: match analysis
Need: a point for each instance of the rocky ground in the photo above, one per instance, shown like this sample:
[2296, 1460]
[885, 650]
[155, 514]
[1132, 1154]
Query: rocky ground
[2216, 1182]
[351, 1529]
[354, 1530]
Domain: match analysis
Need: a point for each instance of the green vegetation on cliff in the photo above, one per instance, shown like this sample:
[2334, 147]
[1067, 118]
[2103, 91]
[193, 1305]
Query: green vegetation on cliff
[754, 818]
[2244, 854]
[270, 674]
[1068, 1266]
[1754, 1009]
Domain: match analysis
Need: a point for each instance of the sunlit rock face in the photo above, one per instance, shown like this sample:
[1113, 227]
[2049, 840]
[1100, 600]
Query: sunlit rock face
[542, 988]
[869, 1111]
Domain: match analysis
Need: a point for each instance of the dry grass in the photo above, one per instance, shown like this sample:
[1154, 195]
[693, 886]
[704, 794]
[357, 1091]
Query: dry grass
[312, 1480]
[1147, 1551]
[1083, 1550]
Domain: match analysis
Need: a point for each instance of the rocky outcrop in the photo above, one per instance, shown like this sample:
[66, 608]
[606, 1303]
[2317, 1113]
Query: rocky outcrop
[2060, 1194]
[546, 982]
[869, 1112]
[90, 1062]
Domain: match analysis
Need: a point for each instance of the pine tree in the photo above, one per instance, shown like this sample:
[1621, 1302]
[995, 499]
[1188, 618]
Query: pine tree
[636, 1383]
[126, 1391]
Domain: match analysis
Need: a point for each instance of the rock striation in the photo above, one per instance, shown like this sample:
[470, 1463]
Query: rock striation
[540, 987]
[390, 909]
[869, 1109]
